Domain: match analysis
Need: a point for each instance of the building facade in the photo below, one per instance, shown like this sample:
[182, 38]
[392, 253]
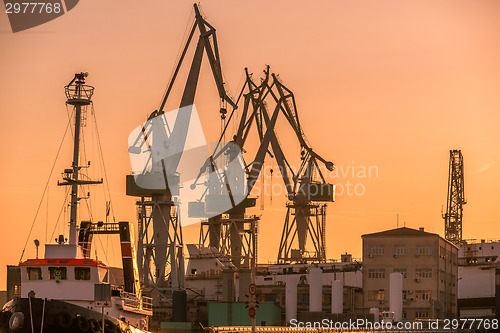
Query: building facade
[478, 262]
[428, 264]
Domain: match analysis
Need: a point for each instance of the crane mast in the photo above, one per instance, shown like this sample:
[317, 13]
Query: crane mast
[455, 199]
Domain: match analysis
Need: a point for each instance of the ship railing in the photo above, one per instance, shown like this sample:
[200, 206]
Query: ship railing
[147, 303]
[79, 91]
[132, 301]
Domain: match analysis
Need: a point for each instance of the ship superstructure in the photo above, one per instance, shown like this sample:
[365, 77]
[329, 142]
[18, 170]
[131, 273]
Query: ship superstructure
[67, 290]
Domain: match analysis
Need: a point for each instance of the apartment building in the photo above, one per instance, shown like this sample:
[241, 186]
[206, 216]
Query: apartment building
[428, 264]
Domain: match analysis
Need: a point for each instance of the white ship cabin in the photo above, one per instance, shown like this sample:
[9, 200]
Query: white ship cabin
[62, 279]
[64, 274]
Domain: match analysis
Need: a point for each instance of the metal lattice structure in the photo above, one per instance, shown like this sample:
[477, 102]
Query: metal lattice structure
[456, 198]
[303, 237]
[233, 234]
[160, 245]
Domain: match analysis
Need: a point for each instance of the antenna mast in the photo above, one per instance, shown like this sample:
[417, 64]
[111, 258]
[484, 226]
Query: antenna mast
[79, 95]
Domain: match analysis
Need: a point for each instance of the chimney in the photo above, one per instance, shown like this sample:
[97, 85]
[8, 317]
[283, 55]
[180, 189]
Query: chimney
[421, 229]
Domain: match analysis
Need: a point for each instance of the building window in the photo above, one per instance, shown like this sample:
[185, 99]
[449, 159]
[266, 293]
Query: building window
[376, 295]
[423, 295]
[424, 250]
[401, 270]
[57, 273]
[400, 250]
[34, 273]
[82, 273]
[422, 314]
[303, 298]
[442, 252]
[423, 273]
[377, 250]
[376, 273]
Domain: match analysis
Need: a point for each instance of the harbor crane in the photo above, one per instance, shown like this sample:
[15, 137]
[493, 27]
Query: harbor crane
[456, 198]
[160, 240]
[232, 233]
[306, 189]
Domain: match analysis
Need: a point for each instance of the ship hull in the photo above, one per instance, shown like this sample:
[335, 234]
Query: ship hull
[25, 315]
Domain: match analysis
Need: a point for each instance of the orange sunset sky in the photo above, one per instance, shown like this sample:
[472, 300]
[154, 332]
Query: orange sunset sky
[392, 85]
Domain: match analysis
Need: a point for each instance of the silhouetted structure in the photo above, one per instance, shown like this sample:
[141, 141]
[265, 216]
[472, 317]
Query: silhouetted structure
[455, 201]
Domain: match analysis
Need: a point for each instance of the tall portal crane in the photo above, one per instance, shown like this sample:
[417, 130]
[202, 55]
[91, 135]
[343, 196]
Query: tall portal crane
[160, 244]
[305, 189]
[456, 198]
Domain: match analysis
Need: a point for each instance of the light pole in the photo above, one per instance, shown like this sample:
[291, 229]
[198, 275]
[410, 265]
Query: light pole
[254, 263]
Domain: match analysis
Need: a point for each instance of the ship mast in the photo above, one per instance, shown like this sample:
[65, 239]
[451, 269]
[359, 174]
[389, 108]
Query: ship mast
[79, 95]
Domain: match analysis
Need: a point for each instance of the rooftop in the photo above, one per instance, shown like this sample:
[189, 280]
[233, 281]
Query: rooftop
[404, 231]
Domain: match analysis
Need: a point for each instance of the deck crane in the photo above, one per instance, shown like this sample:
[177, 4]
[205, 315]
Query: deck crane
[306, 189]
[160, 244]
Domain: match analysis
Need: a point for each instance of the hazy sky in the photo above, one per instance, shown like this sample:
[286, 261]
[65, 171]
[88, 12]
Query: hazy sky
[392, 85]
